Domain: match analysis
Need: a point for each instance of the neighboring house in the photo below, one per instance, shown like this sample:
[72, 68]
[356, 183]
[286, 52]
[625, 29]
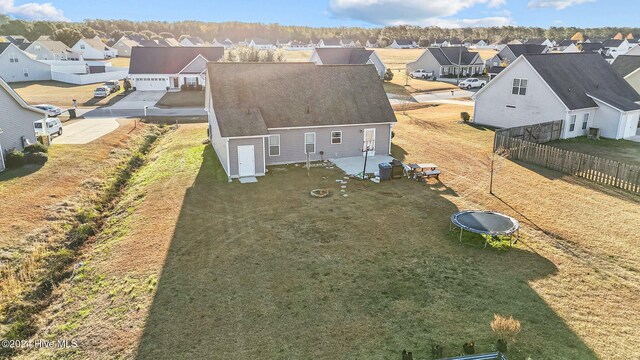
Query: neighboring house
[260, 44]
[124, 45]
[439, 42]
[446, 61]
[582, 90]
[540, 41]
[573, 48]
[628, 66]
[52, 50]
[151, 43]
[16, 39]
[595, 47]
[348, 56]
[333, 42]
[566, 43]
[616, 47]
[479, 43]
[511, 52]
[191, 41]
[634, 51]
[94, 49]
[170, 42]
[403, 44]
[16, 65]
[16, 124]
[515, 42]
[372, 43]
[263, 114]
[169, 68]
[348, 43]
[494, 71]
[227, 43]
[216, 43]
[298, 45]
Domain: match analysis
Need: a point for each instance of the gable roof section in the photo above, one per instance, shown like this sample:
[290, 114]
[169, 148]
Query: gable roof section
[331, 42]
[54, 46]
[404, 42]
[19, 99]
[573, 75]
[4, 47]
[626, 64]
[281, 94]
[168, 60]
[536, 41]
[96, 44]
[613, 101]
[520, 49]
[567, 42]
[451, 55]
[345, 56]
[592, 46]
[611, 43]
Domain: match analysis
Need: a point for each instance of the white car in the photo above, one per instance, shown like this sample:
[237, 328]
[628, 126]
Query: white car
[472, 83]
[113, 85]
[54, 127]
[50, 109]
[101, 91]
[421, 74]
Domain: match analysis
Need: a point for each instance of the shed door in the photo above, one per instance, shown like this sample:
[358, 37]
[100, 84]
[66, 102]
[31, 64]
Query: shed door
[246, 161]
[369, 142]
[1, 159]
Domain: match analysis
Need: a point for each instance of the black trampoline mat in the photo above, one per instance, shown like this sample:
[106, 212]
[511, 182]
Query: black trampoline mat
[485, 222]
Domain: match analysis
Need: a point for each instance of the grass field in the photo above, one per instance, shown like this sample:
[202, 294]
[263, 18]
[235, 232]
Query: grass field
[620, 150]
[182, 99]
[62, 94]
[119, 61]
[190, 266]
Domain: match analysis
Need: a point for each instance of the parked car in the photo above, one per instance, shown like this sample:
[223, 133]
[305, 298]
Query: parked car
[421, 74]
[54, 127]
[50, 109]
[113, 85]
[472, 83]
[101, 91]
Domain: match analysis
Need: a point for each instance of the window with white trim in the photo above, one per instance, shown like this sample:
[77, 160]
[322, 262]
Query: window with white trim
[190, 81]
[310, 143]
[519, 87]
[13, 58]
[25, 71]
[572, 123]
[274, 145]
[336, 137]
[82, 46]
[585, 121]
[37, 47]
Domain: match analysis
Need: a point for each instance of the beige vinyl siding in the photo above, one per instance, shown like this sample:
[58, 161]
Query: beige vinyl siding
[292, 143]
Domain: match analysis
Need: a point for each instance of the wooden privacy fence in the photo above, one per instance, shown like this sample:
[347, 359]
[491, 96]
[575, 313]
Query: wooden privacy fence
[537, 133]
[603, 171]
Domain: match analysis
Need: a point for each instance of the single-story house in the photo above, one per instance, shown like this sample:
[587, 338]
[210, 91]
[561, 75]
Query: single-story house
[348, 56]
[445, 61]
[169, 68]
[263, 114]
[581, 89]
[332, 42]
[540, 41]
[20, 66]
[16, 124]
[479, 43]
[616, 47]
[372, 43]
[348, 43]
[94, 49]
[124, 45]
[260, 44]
[52, 50]
[628, 66]
[403, 44]
[511, 52]
[169, 42]
[191, 41]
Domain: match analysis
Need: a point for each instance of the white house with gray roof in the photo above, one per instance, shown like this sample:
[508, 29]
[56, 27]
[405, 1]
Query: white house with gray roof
[52, 50]
[16, 65]
[16, 123]
[403, 44]
[263, 114]
[448, 61]
[581, 89]
[348, 56]
[94, 49]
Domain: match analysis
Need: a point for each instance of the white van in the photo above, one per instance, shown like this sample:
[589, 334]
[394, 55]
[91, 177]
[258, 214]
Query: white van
[54, 127]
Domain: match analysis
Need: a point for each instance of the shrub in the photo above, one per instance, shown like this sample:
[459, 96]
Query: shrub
[36, 158]
[506, 328]
[388, 75]
[14, 159]
[36, 148]
[465, 116]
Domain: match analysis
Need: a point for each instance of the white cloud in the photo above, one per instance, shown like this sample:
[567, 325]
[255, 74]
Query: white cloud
[556, 4]
[415, 12]
[32, 11]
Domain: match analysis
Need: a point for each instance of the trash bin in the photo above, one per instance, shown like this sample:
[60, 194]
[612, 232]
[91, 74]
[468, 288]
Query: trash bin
[72, 113]
[384, 171]
[397, 170]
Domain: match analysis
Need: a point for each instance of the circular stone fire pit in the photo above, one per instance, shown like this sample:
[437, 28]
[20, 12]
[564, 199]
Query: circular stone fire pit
[320, 193]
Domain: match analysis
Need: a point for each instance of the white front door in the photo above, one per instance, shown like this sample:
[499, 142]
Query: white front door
[369, 142]
[246, 161]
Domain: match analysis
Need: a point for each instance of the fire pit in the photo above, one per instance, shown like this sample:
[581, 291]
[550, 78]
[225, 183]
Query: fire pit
[320, 193]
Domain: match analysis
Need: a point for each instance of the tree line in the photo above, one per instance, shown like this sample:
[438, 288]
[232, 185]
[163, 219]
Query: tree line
[71, 32]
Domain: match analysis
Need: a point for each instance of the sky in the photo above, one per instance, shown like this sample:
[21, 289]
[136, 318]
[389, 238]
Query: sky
[330, 13]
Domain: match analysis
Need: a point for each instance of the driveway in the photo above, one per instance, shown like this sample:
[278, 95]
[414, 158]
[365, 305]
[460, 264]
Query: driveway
[86, 131]
[138, 100]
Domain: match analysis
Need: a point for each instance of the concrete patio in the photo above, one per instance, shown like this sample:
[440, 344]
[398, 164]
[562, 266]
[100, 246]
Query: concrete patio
[354, 165]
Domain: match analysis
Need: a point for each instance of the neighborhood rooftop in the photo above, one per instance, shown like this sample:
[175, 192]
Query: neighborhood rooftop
[248, 98]
[456, 55]
[168, 60]
[578, 77]
[626, 64]
[354, 56]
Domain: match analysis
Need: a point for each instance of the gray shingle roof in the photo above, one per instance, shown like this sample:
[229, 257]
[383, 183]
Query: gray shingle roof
[520, 49]
[496, 69]
[249, 97]
[609, 43]
[168, 60]
[617, 102]
[404, 42]
[536, 41]
[626, 64]
[451, 55]
[54, 46]
[572, 76]
[592, 46]
[344, 56]
[96, 44]
[567, 42]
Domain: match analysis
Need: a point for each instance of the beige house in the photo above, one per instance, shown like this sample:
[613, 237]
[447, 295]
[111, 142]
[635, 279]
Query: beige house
[124, 45]
[628, 66]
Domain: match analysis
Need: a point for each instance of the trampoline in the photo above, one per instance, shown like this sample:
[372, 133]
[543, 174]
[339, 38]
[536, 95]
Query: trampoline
[488, 223]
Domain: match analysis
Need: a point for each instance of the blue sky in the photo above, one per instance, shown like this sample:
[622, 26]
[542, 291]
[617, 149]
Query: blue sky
[369, 13]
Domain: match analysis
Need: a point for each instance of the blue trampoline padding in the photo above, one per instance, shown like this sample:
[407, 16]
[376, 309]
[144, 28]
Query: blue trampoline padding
[485, 222]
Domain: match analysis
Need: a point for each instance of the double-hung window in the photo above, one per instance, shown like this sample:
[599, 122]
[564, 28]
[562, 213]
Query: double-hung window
[336, 137]
[519, 87]
[274, 145]
[585, 121]
[13, 58]
[572, 123]
[310, 143]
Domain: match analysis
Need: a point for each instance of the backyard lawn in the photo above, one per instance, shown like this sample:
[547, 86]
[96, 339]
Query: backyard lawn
[620, 150]
[191, 266]
[188, 99]
[62, 94]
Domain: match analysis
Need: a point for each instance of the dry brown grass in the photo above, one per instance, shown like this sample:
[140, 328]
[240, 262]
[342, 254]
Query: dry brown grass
[180, 99]
[119, 61]
[62, 95]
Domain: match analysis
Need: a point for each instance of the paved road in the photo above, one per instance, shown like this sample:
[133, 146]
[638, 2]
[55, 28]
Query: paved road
[86, 130]
[441, 97]
[138, 100]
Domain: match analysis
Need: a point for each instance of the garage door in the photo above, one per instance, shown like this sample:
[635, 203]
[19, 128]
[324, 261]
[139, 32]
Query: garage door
[151, 84]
